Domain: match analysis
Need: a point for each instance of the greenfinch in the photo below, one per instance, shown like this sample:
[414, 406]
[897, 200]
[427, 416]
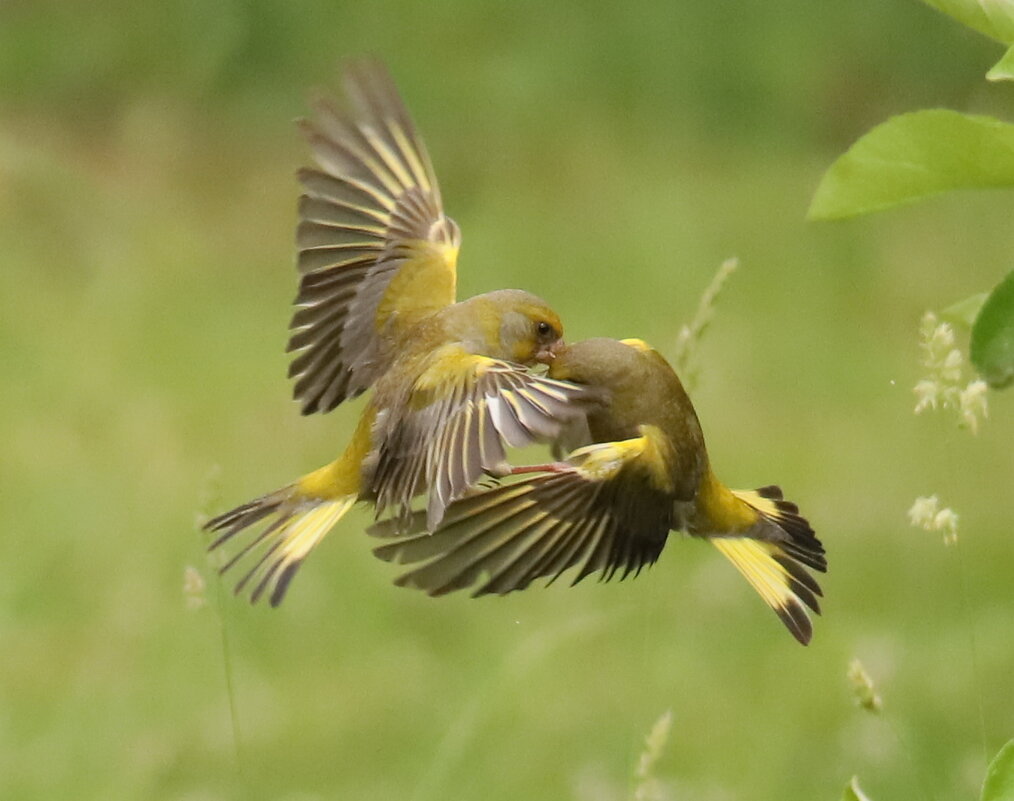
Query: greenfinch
[376, 308]
[641, 471]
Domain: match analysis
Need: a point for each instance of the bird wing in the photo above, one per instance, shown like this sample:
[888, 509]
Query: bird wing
[599, 510]
[462, 412]
[376, 252]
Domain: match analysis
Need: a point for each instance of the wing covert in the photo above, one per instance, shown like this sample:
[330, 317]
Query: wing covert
[464, 412]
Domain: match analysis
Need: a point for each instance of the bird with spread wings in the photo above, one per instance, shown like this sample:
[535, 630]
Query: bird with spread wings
[376, 308]
[637, 469]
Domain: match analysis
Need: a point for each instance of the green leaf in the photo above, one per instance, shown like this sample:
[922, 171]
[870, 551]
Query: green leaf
[992, 346]
[853, 793]
[1003, 70]
[914, 156]
[999, 783]
[965, 311]
[993, 18]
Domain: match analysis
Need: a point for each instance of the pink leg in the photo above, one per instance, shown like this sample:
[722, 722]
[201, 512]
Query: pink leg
[550, 467]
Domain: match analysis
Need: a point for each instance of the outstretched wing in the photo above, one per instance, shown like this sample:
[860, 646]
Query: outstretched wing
[376, 251]
[596, 511]
[463, 411]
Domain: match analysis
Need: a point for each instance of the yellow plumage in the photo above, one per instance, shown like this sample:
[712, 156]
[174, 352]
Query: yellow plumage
[376, 309]
[758, 562]
[610, 506]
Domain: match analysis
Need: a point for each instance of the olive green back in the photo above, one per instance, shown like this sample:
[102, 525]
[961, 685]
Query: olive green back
[641, 389]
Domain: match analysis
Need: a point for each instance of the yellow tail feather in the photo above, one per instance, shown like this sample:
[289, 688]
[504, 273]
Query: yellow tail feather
[768, 541]
[296, 517]
[779, 520]
[295, 525]
[764, 565]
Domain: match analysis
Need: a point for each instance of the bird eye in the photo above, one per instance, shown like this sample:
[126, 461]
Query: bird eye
[544, 329]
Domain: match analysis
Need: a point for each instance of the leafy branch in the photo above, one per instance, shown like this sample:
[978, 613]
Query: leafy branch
[917, 155]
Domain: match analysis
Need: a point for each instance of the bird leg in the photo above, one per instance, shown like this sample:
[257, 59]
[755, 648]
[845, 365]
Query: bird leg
[549, 467]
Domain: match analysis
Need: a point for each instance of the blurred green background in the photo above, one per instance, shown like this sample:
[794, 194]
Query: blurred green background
[607, 157]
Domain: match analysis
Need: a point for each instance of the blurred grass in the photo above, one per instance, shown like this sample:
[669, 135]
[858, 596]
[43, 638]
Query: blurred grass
[608, 159]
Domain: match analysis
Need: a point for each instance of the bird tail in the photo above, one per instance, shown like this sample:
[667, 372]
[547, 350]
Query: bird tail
[296, 517]
[770, 544]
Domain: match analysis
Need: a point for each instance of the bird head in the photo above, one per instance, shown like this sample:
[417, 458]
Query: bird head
[637, 385]
[519, 327]
[607, 363]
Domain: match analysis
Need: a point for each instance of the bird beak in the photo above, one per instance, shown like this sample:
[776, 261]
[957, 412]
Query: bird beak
[547, 354]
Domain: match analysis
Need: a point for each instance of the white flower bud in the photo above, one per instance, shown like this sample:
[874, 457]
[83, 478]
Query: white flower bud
[923, 511]
[927, 392]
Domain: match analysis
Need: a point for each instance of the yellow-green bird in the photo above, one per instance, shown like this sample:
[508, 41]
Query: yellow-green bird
[376, 308]
[642, 471]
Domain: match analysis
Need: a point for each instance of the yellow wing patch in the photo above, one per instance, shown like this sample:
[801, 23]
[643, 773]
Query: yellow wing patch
[426, 282]
[651, 453]
[450, 365]
[601, 462]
